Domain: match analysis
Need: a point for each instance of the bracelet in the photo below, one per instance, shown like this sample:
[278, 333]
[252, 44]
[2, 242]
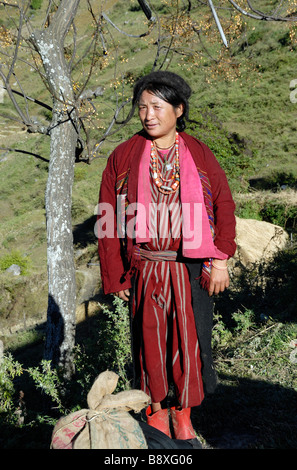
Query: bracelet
[221, 268]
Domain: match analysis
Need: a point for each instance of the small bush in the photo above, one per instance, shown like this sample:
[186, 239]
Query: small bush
[9, 369]
[249, 210]
[114, 340]
[280, 214]
[36, 4]
[15, 257]
[244, 320]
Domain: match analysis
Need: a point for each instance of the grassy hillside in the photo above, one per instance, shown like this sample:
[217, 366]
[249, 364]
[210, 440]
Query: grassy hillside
[244, 113]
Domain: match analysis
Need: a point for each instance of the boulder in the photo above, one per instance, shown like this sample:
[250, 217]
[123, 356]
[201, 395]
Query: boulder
[14, 269]
[258, 240]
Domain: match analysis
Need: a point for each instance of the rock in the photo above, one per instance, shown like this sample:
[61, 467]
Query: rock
[257, 240]
[14, 269]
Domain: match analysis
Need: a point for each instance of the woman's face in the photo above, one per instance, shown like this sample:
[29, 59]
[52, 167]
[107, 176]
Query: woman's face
[157, 116]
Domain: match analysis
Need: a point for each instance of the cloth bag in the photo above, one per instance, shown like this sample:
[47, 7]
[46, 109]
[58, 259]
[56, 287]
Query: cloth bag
[107, 424]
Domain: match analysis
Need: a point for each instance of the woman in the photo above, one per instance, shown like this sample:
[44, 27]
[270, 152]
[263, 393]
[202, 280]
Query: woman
[167, 228]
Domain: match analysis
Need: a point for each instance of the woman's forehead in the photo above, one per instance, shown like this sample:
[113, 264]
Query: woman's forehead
[149, 96]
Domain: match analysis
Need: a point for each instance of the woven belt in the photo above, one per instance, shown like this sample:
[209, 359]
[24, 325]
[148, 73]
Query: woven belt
[156, 255]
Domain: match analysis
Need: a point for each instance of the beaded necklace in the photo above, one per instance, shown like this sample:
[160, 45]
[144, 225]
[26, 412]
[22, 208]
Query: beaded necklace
[159, 181]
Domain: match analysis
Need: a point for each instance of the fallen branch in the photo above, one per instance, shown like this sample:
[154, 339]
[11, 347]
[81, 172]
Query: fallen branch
[261, 332]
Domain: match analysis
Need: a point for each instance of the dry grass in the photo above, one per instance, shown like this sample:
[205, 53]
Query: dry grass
[286, 197]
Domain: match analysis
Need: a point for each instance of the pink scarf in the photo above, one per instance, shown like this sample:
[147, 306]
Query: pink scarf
[197, 240]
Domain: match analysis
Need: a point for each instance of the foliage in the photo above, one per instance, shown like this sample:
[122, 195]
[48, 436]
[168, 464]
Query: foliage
[44, 377]
[280, 214]
[47, 379]
[114, 340]
[9, 369]
[265, 289]
[276, 181]
[220, 335]
[112, 351]
[249, 210]
[240, 101]
[228, 149]
[253, 339]
[108, 347]
[36, 4]
[266, 351]
[255, 329]
[223, 335]
[15, 257]
[244, 321]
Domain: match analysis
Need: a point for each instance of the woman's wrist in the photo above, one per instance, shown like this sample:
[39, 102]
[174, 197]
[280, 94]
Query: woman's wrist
[220, 264]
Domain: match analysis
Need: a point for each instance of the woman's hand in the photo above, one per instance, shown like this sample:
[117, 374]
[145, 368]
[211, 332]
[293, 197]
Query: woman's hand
[219, 277]
[123, 294]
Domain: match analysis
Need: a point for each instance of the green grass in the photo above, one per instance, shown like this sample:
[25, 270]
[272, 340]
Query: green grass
[249, 122]
[15, 257]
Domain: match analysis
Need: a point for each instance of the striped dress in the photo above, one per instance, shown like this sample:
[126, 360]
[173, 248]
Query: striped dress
[169, 349]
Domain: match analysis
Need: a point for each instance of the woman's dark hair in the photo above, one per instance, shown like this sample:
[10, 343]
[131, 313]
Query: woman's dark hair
[168, 86]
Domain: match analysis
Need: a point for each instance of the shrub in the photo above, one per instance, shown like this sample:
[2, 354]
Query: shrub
[47, 379]
[15, 257]
[230, 150]
[9, 369]
[115, 340]
[280, 214]
[249, 210]
[36, 4]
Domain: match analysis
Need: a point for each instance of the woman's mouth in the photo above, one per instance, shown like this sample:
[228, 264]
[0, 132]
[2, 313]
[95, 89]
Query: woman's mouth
[150, 125]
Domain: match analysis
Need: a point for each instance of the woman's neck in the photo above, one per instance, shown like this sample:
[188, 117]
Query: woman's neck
[166, 141]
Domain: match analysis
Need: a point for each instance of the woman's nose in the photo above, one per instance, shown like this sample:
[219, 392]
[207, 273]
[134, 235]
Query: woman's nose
[149, 113]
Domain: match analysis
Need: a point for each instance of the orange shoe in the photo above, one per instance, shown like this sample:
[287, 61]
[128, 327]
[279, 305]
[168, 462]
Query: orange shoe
[159, 420]
[182, 425]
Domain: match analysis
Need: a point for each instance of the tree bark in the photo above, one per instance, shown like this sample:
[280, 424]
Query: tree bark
[60, 331]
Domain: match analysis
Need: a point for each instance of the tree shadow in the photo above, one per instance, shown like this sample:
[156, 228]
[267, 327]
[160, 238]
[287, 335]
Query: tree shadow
[83, 234]
[268, 288]
[245, 413]
[55, 332]
[248, 413]
[275, 181]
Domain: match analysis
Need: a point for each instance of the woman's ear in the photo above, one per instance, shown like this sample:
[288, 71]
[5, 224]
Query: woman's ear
[179, 110]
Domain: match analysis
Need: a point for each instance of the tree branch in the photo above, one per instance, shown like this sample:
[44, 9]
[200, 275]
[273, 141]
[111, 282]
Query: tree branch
[261, 15]
[12, 98]
[63, 18]
[146, 10]
[123, 32]
[218, 23]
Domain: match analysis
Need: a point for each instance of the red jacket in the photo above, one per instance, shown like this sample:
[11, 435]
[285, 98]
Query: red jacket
[124, 161]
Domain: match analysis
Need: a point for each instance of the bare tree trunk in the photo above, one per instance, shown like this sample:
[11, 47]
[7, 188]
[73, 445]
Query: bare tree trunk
[60, 334]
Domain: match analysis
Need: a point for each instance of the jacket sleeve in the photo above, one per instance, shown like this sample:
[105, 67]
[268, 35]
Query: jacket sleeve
[223, 205]
[109, 244]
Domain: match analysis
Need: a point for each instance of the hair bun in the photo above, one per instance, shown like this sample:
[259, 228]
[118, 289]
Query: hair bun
[166, 78]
